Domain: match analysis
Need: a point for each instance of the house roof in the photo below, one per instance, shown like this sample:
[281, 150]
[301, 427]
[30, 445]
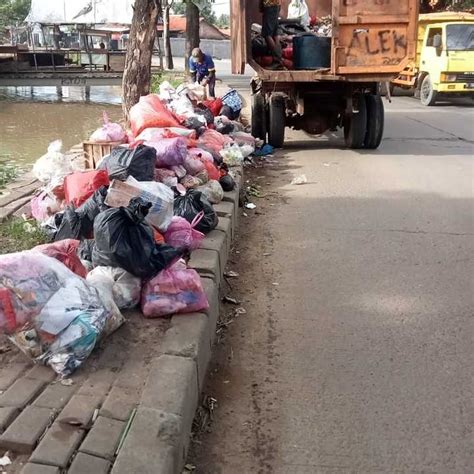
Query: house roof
[178, 25]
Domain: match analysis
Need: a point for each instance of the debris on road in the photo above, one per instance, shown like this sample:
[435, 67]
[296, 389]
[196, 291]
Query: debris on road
[250, 205]
[301, 179]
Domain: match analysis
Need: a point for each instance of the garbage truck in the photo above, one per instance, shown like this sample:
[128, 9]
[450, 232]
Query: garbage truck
[335, 76]
[444, 63]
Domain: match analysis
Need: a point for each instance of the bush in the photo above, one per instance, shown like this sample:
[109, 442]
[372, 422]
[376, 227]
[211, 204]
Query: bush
[175, 79]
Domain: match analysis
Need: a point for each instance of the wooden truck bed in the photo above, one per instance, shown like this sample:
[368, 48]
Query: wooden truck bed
[372, 40]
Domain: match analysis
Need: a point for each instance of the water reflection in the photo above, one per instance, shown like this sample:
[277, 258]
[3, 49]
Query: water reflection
[30, 118]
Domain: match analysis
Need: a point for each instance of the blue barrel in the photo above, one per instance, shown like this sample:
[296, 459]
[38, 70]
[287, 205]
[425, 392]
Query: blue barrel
[311, 52]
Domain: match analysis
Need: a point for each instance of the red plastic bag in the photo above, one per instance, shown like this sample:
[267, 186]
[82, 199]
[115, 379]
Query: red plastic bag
[150, 112]
[287, 53]
[66, 252]
[214, 105]
[212, 171]
[175, 290]
[78, 187]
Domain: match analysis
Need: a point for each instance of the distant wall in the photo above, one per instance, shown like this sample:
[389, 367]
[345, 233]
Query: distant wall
[219, 49]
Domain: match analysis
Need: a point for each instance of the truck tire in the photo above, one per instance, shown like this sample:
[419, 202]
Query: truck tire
[276, 129]
[259, 117]
[427, 94]
[375, 121]
[355, 124]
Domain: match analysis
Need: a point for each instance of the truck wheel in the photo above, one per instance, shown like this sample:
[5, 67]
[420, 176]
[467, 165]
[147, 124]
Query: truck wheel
[259, 117]
[355, 124]
[276, 129]
[427, 94]
[375, 121]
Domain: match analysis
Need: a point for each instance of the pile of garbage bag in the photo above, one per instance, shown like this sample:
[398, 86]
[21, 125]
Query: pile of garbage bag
[120, 234]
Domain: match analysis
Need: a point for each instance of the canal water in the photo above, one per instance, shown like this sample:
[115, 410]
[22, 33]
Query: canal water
[31, 118]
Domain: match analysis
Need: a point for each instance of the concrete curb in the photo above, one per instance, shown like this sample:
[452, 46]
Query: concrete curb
[159, 435]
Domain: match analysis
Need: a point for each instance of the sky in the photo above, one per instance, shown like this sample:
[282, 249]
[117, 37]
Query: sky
[221, 6]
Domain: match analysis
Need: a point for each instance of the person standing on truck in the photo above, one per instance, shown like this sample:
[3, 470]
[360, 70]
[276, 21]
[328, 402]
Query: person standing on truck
[270, 27]
[202, 69]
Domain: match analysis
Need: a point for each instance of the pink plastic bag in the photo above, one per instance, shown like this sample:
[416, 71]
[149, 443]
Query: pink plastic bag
[169, 151]
[181, 233]
[175, 290]
[203, 155]
[193, 165]
[43, 206]
[214, 140]
[109, 132]
[150, 112]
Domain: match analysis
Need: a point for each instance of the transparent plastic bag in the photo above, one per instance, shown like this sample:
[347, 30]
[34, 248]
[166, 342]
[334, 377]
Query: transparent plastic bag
[232, 155]
[123, 288]
[51, 314]
[213, 191]
[175, 290]
[44, 206]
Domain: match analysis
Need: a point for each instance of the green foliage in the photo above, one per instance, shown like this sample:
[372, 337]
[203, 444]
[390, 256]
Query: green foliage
[8, 172]
[12, 13]
[179, 8]
[17, 235]
[223, 21]
[175, 79]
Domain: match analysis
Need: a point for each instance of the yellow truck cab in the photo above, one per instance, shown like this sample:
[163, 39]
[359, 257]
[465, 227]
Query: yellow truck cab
[444, 65]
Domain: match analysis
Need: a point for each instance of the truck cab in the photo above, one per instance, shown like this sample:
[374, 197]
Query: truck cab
[447, 61]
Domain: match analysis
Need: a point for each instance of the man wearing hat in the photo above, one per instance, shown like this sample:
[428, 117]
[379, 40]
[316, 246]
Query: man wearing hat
[202, 69]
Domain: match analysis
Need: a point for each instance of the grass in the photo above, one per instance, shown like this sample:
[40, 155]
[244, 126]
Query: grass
[17, 235]
[174, 78]
[8, 172]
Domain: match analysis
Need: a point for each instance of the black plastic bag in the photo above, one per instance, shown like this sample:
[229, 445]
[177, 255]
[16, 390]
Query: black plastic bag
[201, 109]
[123, 162]
[227, 183]
[70, 226]
[191, 204]
[123, 239]
[84, 251]
[88, 211]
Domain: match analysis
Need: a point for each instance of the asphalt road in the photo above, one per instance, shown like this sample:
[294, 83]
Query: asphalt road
[356, 353]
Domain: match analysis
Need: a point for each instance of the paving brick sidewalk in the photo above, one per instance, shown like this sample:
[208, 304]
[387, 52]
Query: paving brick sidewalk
[141, 385]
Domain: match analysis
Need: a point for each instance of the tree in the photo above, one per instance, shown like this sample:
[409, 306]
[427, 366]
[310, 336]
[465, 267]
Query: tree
[12, 13]
[192, 30]
[205, 9]
[137, 73]
[223, 21]
[167, 5]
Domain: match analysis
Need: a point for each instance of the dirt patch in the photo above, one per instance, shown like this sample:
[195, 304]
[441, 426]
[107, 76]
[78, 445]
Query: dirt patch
[241, 433]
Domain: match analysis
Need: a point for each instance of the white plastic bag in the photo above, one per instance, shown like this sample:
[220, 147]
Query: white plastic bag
[232, 155]
[167, 91]
[298, 9]
[213, 191]
[54, 165]
[116, 286]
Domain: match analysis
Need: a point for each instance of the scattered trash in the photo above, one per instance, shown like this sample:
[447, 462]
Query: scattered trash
[231, 274]
[5, 460]
[228, 299]
[67, 382]
[241, 311]
[250, 205]
[275, 284]
[301, 179]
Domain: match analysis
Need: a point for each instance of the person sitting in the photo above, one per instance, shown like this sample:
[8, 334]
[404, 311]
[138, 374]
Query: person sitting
[202, 69]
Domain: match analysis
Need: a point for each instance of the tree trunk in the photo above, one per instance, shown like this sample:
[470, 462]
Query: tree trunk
[137, 73]
[192, 30]
[166, 37]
